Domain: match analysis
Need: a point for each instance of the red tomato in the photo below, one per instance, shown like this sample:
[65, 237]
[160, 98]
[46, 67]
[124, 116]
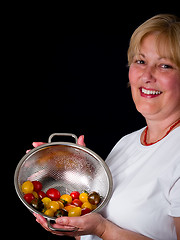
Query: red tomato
[37, 186]
[53, 194]
[75, 195]
[41, 194]
[77, 202]
[29, 197]
[85, 211]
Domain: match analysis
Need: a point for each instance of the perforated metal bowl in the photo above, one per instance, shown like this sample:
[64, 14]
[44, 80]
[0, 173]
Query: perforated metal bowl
[67, 167]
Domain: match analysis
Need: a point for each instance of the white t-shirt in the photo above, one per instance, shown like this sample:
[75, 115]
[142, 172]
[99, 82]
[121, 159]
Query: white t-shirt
[146, 181]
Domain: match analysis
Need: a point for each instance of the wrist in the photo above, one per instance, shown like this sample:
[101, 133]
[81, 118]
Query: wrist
[101, 227]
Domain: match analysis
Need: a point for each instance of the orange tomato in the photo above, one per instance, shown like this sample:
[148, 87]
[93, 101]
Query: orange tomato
[83, 197]
[69, 207]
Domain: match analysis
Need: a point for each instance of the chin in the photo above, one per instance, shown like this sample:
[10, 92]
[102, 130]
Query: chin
[147, 110]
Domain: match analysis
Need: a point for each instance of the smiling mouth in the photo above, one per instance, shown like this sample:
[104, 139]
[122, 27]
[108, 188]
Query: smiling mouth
[150, 93]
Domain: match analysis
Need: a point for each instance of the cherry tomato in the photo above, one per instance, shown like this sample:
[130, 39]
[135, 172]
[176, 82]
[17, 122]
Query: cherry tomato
[83, 197]
[69, 207]
[53, 194]
[49, 212]
[87, 205]
[61, 204]
[37, 204]
[75, 195]
[74, 212]
[41, 194]
[35, 194]
[29, 197]
[37, 186]
[60, 213]
[67, 198]
[27, 187]
[85, 211]
[46, 201]
[94, 198]
[54, 205]
[77, 203]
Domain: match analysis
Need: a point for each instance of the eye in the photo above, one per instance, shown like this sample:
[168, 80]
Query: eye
[140, 61]
[166, 66]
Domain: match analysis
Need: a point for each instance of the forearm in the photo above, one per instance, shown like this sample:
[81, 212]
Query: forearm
[114, 232]
[91, 224]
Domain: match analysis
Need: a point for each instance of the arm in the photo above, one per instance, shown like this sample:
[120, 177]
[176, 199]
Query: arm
[177, 225]
[91, 224]
[114, 232]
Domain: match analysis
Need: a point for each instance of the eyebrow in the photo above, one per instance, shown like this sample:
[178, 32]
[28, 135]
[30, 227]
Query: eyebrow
[160, 58]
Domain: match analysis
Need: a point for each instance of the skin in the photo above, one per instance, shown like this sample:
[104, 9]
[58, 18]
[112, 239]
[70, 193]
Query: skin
[158, 73]
[151, 72]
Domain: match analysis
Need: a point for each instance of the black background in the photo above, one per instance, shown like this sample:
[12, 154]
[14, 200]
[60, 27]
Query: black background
[65, 71]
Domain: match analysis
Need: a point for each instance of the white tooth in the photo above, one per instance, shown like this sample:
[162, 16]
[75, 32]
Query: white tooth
[150, 92]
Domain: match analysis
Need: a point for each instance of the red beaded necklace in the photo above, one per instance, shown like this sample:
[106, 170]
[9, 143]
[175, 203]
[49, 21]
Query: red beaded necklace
[145, 134]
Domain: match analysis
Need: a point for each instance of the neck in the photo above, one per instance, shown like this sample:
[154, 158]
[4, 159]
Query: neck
[158, 130]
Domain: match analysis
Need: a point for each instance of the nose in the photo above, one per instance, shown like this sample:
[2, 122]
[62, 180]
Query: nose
[148, 74]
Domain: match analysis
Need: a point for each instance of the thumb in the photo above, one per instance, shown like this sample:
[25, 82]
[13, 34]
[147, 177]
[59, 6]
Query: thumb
[81, 141]
[36, 144]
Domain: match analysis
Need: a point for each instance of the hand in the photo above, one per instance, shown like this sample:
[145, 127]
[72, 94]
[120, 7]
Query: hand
[80, 141]
[89, 224]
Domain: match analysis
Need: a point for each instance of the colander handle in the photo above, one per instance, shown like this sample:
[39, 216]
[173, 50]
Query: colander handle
[60, 229]
[62, 134]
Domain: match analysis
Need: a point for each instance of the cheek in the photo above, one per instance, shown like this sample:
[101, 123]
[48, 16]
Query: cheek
[130, 74]
[133, 75]
[171, 85]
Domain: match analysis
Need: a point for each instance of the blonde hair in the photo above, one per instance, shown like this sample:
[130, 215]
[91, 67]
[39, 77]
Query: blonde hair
[167, 29]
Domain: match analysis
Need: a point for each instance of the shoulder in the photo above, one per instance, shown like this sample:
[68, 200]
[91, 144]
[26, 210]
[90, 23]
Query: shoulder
[130, 138]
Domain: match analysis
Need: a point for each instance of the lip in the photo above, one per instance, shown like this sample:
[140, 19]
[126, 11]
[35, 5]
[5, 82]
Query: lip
[149, 93]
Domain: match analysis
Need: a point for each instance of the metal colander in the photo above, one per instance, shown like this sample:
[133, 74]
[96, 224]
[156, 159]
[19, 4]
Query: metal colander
[67, 167]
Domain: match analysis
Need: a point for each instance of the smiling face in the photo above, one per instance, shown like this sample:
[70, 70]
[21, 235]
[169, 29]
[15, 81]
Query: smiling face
[155, 82]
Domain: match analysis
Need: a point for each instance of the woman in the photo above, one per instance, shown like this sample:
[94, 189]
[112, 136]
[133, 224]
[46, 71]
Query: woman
[145, 164]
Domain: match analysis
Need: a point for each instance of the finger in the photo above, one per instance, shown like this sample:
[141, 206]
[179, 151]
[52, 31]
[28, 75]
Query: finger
[41, 220]
[36, 144]
[81, 141]
[65, 227]
[69, 222]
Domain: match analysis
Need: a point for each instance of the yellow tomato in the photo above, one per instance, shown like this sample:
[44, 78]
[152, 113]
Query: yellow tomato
[49, 212]
[74, 212]
[54, 205]
[83, 197]
[46, 202]
[27, 187]
[61, 205]
[35, 195]
[67, 198]
[87, 205]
